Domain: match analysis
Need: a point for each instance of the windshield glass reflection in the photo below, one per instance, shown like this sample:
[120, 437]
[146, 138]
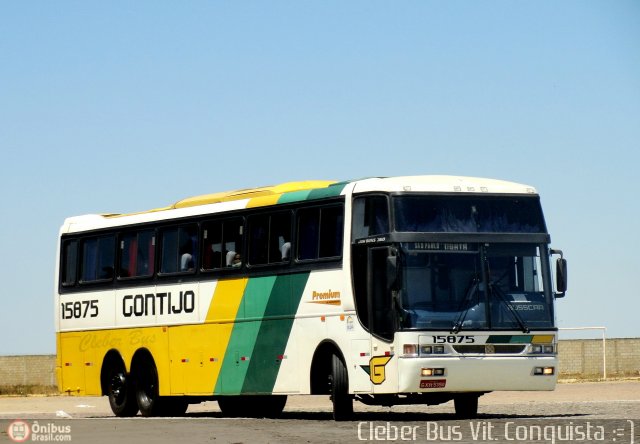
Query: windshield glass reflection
[498, 286]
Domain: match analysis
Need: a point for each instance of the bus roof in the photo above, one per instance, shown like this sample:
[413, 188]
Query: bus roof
[442, 184]
[298, 191]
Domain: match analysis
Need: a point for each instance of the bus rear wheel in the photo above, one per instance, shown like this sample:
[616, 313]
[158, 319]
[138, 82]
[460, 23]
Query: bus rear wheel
[340, 397]
[466, 405]
[120, 391]
[147, 388]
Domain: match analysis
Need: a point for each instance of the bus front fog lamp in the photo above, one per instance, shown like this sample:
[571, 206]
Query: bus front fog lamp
[432, 372]
[544, 371]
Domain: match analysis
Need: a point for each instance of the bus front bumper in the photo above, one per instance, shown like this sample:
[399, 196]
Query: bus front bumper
[477, 374]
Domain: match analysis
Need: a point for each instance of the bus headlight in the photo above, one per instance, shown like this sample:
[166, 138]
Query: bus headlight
[544, 371]
[539, 349]
[413, 350]
[410, 350]
[431, 350]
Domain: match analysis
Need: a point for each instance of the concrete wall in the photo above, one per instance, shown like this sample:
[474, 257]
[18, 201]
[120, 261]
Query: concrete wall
[28, 370]
[584, 357]
[578, 358]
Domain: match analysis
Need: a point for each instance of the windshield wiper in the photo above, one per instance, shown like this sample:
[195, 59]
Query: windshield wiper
[494, 289]
[466, 302]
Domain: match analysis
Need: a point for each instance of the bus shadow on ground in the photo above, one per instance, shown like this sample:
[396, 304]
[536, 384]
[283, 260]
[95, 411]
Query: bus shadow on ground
[396, 416]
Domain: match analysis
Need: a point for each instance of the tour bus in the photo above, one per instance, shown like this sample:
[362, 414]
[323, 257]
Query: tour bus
[388, 291]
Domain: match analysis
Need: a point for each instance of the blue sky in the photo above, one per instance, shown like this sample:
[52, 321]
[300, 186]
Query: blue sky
[126, 106]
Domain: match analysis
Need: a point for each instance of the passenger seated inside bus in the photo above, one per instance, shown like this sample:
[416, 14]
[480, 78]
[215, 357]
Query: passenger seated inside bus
[233, 259]
[186, 258]
[285, 251]
[186, 262]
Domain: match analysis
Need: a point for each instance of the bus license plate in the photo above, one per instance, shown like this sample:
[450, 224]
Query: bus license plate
[433, 384]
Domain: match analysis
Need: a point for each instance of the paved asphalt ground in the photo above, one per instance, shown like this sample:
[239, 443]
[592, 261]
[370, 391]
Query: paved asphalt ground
[578, 412]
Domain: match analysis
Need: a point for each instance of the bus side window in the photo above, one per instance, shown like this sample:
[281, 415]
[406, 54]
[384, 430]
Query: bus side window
[320, 232]
[270, 238]
[179, 249]
[308, 233]
[98, 259]
[69, 263]
[280, 237]
[233, 243]
[222, 244]
[331, 229]
[137, 254]
[370, 216]
[212, 245]
[259, 240]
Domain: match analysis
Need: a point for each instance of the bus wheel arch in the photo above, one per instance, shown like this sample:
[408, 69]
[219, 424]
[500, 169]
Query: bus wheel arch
[118, 385]
[329, 375]
[321, 367]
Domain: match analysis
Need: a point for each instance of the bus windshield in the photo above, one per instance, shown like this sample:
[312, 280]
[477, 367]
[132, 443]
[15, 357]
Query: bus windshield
[461, 214]
[479, 286]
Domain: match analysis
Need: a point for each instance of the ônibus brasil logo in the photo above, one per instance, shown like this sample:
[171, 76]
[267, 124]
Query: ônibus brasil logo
[19, 431]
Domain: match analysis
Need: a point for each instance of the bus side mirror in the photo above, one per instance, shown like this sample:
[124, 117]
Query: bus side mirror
[561, 274]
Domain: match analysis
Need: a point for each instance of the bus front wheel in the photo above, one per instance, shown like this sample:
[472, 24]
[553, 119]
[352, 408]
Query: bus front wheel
[340, 397]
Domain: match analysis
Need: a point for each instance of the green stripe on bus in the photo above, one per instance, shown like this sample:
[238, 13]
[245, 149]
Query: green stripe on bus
[243, 336]
[274, 333]
[508, 339]
[256, 346]
[331, 191]
[316, 193]
[294, 196]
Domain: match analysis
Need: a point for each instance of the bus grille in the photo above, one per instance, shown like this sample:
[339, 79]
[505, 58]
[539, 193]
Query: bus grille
[490, 349]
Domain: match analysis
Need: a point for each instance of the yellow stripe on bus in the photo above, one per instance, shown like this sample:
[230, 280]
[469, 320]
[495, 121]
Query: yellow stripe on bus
[226, 300]
[263, 201]
[542, 339]
[222, 312]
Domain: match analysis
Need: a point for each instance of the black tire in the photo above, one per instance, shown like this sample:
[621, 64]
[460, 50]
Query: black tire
[121, 393]
[466, 405]
[147, 388]
[340, 397]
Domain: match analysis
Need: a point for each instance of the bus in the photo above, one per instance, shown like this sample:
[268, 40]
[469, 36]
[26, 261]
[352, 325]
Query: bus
[387, 291]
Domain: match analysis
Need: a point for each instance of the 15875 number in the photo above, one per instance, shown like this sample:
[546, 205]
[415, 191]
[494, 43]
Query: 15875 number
[80, 309]
[453, 339]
